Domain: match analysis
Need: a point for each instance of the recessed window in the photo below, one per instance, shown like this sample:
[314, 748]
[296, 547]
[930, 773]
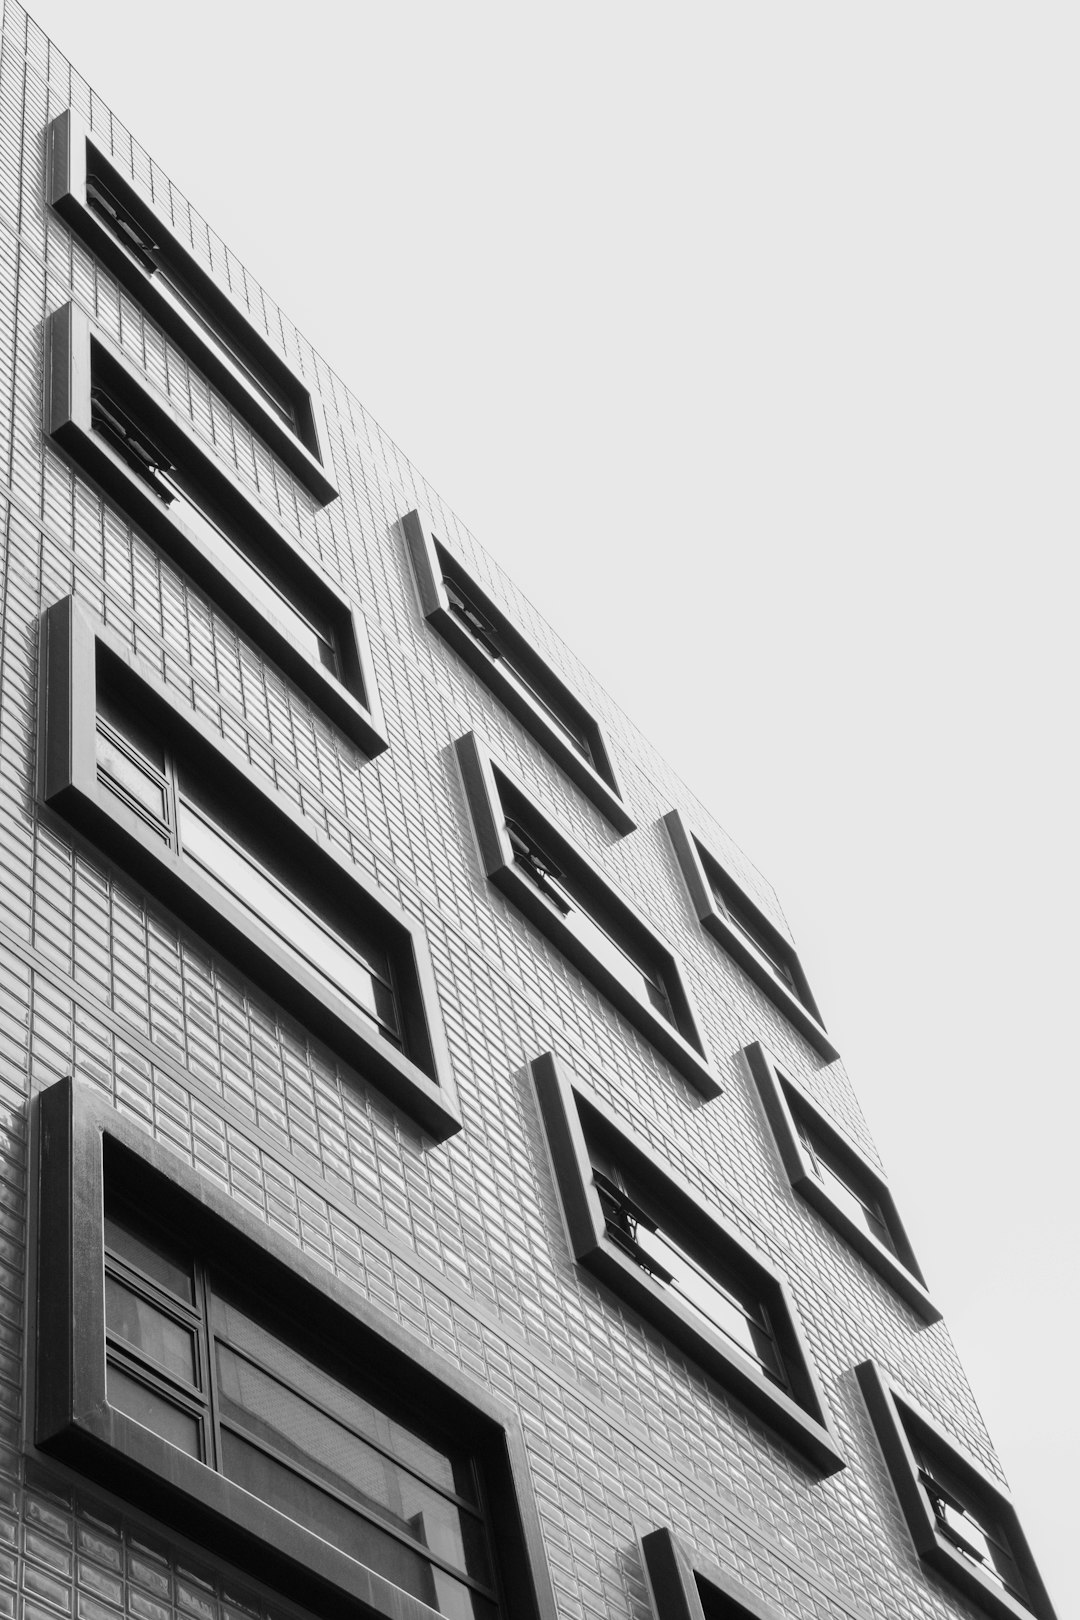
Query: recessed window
[742, 928]
[193, 1362]
[156, 788]
[456, 606]
[686, 1587]
[636, 1225]
[962, 1521]
[128, 233]
[838, 1180]
[563, 893]
[117, 428]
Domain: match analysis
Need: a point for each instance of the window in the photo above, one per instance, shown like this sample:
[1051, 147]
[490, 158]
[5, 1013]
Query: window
[562, 892]
[684, 1587]
[126, 231]
[198, 1364]
[118, 429]
[962, 1522]
[839, 1181]
[476, 628]
[155, 787]
[747, 934]
[644, 1232]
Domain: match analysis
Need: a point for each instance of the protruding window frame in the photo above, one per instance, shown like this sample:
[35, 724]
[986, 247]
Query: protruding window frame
[801, 1009]
[72, 149]
[73, 641]
[563, 1101]
[682, 1042]
[897, 1418]
[675, 1576]
[79, 1138]
[76, 353]
[785, 1102]
[433, 563]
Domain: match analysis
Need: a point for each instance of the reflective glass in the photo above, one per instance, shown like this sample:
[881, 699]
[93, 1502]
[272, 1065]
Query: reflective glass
[267, 899]
[152, 1331]
[156, 1257]
[137, 1400]
[120, 767]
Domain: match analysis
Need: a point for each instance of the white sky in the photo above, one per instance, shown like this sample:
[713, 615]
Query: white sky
[758, 324]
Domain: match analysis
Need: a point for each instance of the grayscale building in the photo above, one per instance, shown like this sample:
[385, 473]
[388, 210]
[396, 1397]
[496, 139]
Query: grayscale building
[429, 1182]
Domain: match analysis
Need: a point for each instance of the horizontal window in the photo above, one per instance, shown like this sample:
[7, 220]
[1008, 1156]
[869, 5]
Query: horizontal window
[156, 788]
[128, 233]
[107, 417]
[562, 892]
[214, 1375]
[477, 629]
[686, 1587]
[841, 1183]
[645, 1233]
[962, 1521]
[728, 913]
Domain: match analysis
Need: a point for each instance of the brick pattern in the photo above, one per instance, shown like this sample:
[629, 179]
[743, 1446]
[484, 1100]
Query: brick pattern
[464, 1242]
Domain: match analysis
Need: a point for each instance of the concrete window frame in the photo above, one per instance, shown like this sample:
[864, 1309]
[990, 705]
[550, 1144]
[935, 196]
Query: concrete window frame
[81, 1144]
[785, 1102]
[676, 1577]
[74, 648]
[492, 794]
[901, 1424]
[433, 566]
[570, 1112]
[696, 862]
[78, 357]
[225, 333]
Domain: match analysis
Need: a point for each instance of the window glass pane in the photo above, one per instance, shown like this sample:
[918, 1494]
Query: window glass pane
[121, 769]
[149, 1253]
[448, 1469]
[842, 1189]
[150, 1330]
[970, 1528]
[299, 1432]
[365, 982]
[153, 1411]
[370, 1544]
[758, 936]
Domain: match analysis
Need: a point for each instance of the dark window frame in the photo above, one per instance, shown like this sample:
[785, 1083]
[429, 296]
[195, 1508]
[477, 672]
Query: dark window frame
[798, 1006]
[80, 357]
[901, 1425]
[785, 1103]
[675, 1576]
[433, 564]
[682, 1042]
[567, 1107]
[81, 1140]
[74, 156]
[73, 642]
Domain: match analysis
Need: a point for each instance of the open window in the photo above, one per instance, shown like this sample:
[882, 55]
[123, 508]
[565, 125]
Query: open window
[562, 892]
[465, 616]
[961, 1520]
[121, 431]
[839, 1181]
[685, 1587]
[193, 1361]
[729, 914]
[128, 234]
[155, 787]
[636, 1225]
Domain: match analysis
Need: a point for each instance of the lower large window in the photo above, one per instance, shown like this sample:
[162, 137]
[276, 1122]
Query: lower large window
[639, 1228]
[685, 1587]
[962, 1522]
[159, 790]
[190, 1359]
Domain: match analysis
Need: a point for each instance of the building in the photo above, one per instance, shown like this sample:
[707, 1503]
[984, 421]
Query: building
[441, 1189]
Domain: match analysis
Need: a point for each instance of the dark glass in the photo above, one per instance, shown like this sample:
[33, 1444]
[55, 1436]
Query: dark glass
[137, 1400]
[164, 1262]
[151, 1331]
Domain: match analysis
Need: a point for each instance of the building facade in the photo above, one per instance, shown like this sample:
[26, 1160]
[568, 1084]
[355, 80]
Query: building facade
[429, 1181]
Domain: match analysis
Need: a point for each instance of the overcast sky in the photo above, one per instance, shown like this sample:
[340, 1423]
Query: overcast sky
[757, 324]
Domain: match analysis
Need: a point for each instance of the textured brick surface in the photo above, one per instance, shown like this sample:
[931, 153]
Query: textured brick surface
[464, 1242]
